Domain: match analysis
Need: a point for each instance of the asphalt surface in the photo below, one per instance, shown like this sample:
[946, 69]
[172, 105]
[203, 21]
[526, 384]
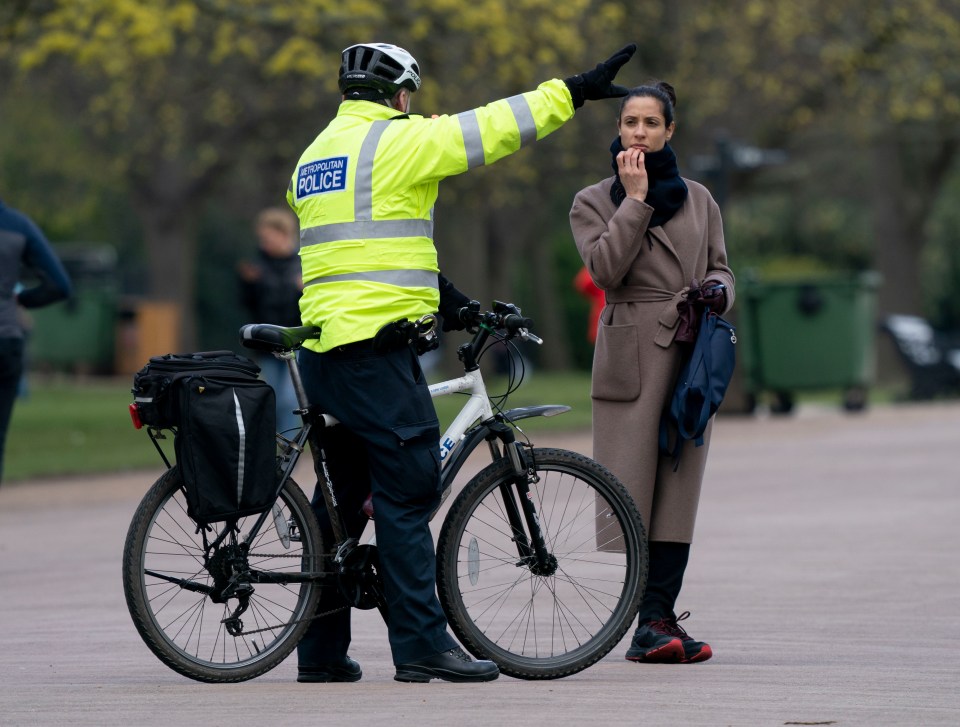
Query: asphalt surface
[824, 574]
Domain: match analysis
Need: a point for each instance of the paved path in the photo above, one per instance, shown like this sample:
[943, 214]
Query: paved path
[825, 575]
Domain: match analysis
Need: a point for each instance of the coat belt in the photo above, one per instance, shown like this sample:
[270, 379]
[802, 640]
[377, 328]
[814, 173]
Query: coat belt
[669, 316]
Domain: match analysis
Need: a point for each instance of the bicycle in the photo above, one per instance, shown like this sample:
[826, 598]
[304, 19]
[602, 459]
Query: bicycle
[541, 558]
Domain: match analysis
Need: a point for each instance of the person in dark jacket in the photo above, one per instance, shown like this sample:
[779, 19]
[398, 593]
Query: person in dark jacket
[22, 246]
[270, 288]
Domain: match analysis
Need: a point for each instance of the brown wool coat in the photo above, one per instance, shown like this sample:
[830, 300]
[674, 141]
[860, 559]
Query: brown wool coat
[643, 270]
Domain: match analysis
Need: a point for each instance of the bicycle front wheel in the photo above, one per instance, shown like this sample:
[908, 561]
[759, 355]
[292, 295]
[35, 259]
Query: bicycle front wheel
[184, 591]
[542, 618]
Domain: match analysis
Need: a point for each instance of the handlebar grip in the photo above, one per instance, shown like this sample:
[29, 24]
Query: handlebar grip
[514, 323]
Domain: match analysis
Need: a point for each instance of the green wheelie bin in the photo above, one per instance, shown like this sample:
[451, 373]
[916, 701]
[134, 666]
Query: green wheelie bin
[804, 333]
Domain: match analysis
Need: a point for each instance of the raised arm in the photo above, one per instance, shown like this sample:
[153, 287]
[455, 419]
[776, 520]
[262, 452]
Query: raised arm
[447, 145]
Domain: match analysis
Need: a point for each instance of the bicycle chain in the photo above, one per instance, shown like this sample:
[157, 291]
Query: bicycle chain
[291, 623]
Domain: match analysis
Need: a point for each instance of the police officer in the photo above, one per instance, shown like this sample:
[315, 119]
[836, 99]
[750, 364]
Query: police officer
[364, 191]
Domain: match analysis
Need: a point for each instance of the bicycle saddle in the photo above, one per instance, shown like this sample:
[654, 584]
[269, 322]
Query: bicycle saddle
[267, 337]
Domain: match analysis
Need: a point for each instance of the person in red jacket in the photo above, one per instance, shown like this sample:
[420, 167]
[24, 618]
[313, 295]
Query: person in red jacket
[584, 285]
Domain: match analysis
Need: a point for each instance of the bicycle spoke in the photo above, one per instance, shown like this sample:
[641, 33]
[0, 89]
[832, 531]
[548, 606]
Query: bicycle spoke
[188, 626]
[572, 600]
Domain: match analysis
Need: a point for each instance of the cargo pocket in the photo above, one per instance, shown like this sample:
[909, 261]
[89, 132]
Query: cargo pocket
[616, 364]
[418, 449]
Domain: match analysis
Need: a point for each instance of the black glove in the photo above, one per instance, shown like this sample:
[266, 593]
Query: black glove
[451, 301]
[598, 83]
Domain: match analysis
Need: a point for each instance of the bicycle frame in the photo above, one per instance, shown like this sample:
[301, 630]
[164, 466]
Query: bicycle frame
[475, 422]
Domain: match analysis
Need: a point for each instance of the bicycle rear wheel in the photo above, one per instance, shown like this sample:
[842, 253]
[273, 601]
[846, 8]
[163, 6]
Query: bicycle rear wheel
[537, 622]
[175, 587]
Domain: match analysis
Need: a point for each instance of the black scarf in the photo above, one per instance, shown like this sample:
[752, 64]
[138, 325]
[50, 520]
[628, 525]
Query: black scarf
[667, 191]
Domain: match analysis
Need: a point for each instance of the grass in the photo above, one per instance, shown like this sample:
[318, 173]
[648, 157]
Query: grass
[67, 427]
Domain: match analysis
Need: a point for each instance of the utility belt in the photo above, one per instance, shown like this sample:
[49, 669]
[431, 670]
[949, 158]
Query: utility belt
[420, 335]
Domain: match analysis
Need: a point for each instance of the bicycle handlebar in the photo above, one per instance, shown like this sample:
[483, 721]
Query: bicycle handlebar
[504, 316]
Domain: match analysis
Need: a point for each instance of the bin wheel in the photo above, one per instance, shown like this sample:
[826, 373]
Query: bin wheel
[782, 402]
[855, 399]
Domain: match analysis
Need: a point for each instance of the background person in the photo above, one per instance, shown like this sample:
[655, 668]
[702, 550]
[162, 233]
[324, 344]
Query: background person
[270, 288]
[644, 234]
[364, 191]
[585, 286]
[22, 246]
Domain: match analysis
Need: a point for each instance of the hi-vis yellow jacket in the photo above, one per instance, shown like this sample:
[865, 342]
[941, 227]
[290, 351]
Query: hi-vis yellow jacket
[364, 191]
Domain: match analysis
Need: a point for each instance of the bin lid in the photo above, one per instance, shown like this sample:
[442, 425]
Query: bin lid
[865, 280]
[86, 261]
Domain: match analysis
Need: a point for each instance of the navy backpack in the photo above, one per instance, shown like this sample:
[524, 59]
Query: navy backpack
[702, 383]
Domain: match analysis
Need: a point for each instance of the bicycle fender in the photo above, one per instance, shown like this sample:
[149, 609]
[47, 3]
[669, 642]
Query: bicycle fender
[541, 410]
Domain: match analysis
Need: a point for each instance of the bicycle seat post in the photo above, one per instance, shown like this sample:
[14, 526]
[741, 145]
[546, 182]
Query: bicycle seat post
[291, 358]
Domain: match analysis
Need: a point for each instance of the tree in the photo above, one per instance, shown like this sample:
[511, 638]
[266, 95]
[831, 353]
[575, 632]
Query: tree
[883, 75]
[181, 95]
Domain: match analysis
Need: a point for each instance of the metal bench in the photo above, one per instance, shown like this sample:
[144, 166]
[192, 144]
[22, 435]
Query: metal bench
[932, 357]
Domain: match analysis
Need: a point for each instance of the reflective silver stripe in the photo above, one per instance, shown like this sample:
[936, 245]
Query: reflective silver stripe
[365, 230]
[290, 188]
[363, 182]
[524, 116]
[400, 278]
[243, 446]
[472, 140]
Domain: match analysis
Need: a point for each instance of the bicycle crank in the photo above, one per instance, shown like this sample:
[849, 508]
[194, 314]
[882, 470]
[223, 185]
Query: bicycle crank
[360, 581]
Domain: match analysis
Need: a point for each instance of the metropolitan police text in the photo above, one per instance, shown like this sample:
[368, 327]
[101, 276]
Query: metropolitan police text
[324, 175]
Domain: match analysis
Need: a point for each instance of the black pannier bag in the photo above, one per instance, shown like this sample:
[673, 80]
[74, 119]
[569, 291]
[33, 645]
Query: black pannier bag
[226, 446]
[225, 421]
[153, 384]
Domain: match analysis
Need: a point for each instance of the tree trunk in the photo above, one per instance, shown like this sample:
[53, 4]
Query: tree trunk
[169, 227]
[898, 238]
[461, 238]
[525, 252]
[548, 314]
[900, 214]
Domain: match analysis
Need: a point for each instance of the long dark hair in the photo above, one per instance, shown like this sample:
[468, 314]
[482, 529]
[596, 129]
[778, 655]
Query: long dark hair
[659, 90]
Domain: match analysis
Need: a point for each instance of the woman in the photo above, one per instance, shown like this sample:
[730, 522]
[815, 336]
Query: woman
[645, 234]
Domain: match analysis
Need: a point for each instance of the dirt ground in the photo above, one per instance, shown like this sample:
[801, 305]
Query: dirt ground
[824, 574]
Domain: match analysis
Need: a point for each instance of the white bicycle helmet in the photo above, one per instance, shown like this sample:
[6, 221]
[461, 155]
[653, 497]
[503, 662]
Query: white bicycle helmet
[378, 67]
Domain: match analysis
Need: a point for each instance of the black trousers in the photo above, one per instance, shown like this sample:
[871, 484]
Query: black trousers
[388, 444]
[668, 562]
[11, 368]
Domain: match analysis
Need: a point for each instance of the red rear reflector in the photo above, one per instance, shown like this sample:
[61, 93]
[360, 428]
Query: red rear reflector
[135, 416]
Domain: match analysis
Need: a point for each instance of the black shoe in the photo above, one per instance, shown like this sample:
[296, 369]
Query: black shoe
[656, 643]
[452, 666]
[693, 650]
[346, 670]
[666, 642]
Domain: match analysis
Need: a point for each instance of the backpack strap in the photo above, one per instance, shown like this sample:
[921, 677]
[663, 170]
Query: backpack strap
[665, 441]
